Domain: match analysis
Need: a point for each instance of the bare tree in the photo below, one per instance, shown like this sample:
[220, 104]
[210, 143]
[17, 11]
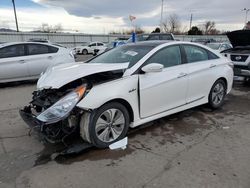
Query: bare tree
[57, 28]
[46, 28]
[209, 26]
[172, 24]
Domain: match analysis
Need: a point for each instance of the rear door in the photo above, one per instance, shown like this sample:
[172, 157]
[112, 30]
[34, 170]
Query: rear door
[201, 65]
[40, 58]
[13, 62]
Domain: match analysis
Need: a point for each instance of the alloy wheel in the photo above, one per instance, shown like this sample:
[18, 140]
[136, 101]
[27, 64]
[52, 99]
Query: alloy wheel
[110, 125]
[218, 93]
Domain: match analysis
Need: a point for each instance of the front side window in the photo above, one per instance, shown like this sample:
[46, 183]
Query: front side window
[35, 49]
[93, 44]
[99, 44]
[12, 51]
[195, 53]
[168, 57]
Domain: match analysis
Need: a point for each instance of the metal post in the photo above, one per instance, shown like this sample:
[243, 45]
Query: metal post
[246, 15]
[247, 10]
[17, 29]
[191, 20]
[162, 3]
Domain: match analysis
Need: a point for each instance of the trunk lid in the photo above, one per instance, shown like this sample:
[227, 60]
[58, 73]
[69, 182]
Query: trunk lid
[239, 38]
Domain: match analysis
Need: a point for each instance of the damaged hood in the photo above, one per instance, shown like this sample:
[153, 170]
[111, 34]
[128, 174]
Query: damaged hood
[63, 74]
[239, 38]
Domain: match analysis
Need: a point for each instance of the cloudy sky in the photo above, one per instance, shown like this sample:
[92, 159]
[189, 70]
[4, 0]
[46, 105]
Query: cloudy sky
[103, 16]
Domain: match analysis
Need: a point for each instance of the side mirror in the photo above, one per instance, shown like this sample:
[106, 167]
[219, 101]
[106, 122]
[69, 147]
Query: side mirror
[152, 67]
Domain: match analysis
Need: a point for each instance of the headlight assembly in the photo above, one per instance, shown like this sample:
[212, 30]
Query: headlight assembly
[63, 107]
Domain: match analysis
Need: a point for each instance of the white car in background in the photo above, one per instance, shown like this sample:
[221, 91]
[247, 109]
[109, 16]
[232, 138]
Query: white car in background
[126, 87]
[89, 48]
[219, 47]
[27, 60]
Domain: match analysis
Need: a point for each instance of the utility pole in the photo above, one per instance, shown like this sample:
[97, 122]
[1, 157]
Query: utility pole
[17, 29]
[247, 10]
[162, 4]
[191, 20]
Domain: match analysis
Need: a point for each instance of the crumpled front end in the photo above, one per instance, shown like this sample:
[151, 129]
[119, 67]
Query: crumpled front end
[53, 113]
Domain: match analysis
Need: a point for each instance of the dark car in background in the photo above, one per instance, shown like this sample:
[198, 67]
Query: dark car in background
[139, 38]
[152, 36]
[240, 53]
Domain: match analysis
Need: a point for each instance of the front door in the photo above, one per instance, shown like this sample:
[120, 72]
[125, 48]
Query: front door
[165, 90]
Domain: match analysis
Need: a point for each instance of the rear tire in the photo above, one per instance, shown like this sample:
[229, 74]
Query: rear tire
[217, 94]
[106, 125]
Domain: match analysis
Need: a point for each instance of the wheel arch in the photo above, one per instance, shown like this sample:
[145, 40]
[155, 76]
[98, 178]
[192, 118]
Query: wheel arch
[224, 80]
[127, 106]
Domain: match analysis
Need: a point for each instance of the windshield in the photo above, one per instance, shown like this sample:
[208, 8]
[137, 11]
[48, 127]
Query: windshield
[123, 54]
[214, 46]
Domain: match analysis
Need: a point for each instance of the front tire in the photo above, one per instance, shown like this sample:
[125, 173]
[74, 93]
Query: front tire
[84, 52]
[217, 94]
[108, 124]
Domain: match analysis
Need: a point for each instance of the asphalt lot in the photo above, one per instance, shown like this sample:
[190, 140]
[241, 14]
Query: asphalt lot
[195, 148]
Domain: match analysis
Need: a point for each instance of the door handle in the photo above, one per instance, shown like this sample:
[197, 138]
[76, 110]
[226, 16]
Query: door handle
[182, 75]
[50, 57]
[21, 61]
[212, 65]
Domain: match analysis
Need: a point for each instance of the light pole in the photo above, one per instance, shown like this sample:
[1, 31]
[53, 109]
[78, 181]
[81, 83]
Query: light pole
[13, 1]
[162, 4]
[247, 10]
[191, 20]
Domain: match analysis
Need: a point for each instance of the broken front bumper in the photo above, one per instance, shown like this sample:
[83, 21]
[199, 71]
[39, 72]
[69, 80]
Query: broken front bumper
[30, 119]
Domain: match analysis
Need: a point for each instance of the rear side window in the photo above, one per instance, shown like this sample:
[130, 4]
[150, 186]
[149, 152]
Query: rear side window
[53, 49]
[36, 49]
[212, 55]
[168, 57]
[153, 37]
[12, 51]
[99, 44]
[195, 54]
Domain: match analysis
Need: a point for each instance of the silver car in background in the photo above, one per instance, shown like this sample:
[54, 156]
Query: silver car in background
[27, 60]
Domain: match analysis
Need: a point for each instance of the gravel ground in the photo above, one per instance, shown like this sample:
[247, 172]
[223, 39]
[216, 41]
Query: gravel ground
[195, 148]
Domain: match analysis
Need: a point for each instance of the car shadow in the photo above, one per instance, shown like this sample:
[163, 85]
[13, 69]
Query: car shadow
[19, 83]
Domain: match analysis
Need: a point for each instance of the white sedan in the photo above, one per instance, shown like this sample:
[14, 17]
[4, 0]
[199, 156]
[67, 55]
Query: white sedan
[89, 48]
[27, 60]
[126, 87]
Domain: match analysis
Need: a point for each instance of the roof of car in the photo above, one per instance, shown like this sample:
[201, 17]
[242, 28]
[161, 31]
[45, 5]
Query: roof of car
[153, 43]
[14, 43]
